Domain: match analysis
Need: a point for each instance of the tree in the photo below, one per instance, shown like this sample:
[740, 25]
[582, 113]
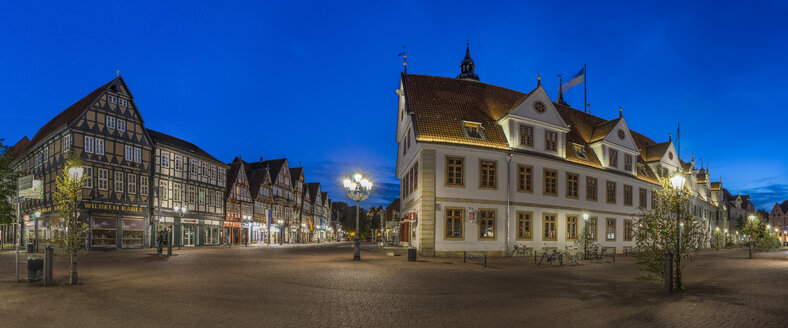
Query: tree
[7, 185]
[657, 232]
[67, 231]
[759, 234]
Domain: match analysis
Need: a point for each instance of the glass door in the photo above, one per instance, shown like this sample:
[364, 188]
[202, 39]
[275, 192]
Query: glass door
[188, 235]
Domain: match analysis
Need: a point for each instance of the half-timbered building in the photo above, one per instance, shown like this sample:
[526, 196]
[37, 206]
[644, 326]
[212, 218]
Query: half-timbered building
[107, 131]
[315, 205]
[260, 185]
[187, 177]
[297, 181]
[239, 206]
[284, 201]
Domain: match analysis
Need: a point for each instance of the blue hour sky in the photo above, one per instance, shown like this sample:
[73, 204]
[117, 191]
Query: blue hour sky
[315, 81]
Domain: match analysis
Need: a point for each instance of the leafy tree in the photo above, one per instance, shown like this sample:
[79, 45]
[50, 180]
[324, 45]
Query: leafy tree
[658, 230]
[67, 231]
[7, 185]
[758, 234]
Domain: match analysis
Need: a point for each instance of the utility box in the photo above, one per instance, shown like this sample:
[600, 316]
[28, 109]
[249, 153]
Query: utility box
[35, 268]
[412, 254]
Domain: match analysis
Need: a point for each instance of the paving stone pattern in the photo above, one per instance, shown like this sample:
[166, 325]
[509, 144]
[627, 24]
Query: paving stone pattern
[319, 286]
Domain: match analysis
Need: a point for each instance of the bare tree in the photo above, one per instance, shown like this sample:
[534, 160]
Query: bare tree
[67, 231]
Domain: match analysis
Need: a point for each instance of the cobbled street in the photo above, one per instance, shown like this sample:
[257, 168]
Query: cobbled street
[319, 286]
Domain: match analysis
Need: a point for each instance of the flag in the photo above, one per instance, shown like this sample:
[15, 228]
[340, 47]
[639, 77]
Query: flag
[580, 77]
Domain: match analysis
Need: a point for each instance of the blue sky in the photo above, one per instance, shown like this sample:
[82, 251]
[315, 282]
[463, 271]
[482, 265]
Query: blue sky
[315, 81]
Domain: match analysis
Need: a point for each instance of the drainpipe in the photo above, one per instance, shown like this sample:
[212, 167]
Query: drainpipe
[508, 199]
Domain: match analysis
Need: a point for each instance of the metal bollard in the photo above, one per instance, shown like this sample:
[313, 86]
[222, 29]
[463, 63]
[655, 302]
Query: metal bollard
[49, 254]
[669, 272]
[485, 260]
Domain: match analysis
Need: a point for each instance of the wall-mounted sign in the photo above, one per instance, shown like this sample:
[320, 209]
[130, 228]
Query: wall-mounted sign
[112, 208]
[472, 216]
[412, 216]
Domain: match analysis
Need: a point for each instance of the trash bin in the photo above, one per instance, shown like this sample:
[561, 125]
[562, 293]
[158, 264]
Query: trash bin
[30, 247]
[35, 268]
[412, 254]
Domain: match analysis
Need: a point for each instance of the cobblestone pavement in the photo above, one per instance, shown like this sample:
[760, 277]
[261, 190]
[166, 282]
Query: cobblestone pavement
[319, 285]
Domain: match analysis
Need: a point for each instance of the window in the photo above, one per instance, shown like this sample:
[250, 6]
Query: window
[473, 130]
[453, 223]
[178, 164]
[123, 102]
[165, 159]
[66, 143]
[176, 192]
[103, 176]
[643, 197]
[611, 192]
[110, 122]
[526, 136]
[143, 185]
[571, 227]
[550, 182]
[208, 198]
[113, 99]
[628, 232]
[642, 170]
[592, 228]
[572, 181]
[591, 189]
[525, 178]
[653, 199]
[627, 195]
[551, 140]
[486, 224]
[201, 196]
[487, 174]
[121, 125]
[612, 159]
[138, 155]
[628, 163]
[549, 227]
[610, 232]
[99, 146]
[163, 188]
[132, 180]
[89, 144]
[524, 225]
[191, 194]
[88, 178]
[454, 171]
[415, 171]
[194, 167]
[129, 153]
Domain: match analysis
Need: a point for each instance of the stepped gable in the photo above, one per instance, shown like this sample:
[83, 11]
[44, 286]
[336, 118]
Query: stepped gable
[167, 139]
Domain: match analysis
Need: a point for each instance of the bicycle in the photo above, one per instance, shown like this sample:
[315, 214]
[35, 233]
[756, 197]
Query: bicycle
[553, 257]
[575, 255]
[520, 250]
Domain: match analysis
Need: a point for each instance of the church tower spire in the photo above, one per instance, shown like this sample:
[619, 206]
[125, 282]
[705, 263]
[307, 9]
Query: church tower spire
[467, 66]
[561, 91]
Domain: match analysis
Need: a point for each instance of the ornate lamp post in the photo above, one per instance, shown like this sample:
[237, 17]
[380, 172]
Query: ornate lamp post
[677, 182]
[357, 188]
[180, 212]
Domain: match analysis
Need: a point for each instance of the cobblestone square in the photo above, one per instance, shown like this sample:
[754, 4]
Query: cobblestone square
[319, 286]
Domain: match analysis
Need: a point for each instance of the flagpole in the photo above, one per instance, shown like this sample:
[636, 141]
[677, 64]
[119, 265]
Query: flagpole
[585, 89]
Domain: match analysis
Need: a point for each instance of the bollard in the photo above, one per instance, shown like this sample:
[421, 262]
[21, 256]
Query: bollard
[669, 272]
[49, 254]
[485, 260]
[464, 256]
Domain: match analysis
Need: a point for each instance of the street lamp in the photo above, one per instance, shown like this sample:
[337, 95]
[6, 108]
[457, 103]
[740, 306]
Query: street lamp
[357, 188]
[749, 239]
[677, 182]
[180, 212]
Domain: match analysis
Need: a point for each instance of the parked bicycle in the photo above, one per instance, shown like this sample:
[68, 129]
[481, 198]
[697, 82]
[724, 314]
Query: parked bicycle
[520, 250]
[573, 254]
[554, 257]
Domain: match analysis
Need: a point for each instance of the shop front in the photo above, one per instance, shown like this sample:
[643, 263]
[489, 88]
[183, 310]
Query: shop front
[210, 232]
[114, 226]
[232, 233]
[188, 231]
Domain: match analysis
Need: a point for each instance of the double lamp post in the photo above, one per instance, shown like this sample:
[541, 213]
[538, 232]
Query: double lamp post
[357, 188]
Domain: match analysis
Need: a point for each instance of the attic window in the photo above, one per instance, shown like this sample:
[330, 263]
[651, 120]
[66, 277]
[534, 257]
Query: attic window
[642, 169]
[580, 151]
[473, 130]
[114, 88]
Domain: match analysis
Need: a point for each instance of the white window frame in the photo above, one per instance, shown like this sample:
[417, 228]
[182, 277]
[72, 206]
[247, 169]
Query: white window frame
[88, 180]
[137, 155]
[121, 125]
[131, 179]
[89, 144]
[113, 99]
[103, 177]
[123, 102]
[110, 122]
[66, 143]
[99, 146]
[178, 163]
[118, 181]
[165, 159]
[163, 188]
[143, 185]
[129, 150]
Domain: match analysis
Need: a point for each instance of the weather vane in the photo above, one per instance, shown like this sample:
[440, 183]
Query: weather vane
[404, 55]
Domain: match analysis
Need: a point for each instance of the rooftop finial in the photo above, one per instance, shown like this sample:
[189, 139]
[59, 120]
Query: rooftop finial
[467, 66]
[620, 112]
[404, 59]
[561, 91]
[670, 136]
[538, 80]
[117, 72]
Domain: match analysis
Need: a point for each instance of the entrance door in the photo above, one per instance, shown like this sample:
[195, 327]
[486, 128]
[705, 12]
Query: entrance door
[188, 235]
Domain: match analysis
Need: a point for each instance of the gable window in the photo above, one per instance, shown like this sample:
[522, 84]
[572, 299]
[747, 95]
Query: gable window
[132, 180]
[103, 176]
[113, 99]
[454, 223]
[66, 143]
[610, 231]
[526, 135]
[454, 171]
[611, 192]
[572, 181]
[549, 227]
[110, 122]
[129, 152]
[592, 228]
[643, 197]
[613, 158]
[487, 174]
[591, 189]
[628, 231]
[525, 178]
[550, 182]
[88, 180]
[99, 146]
[524, 225]
[123, 102]
[628, 163]
[473, 130]
[486, 224]
[627, 195]
[551, 140]
[571, 227]
[89, 142]
[143, 185]
[137, 155]
[121, 125]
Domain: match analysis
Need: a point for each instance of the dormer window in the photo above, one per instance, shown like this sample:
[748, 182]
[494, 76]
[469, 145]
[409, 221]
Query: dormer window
[580, 151]
[473, 130]
[642, 170]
